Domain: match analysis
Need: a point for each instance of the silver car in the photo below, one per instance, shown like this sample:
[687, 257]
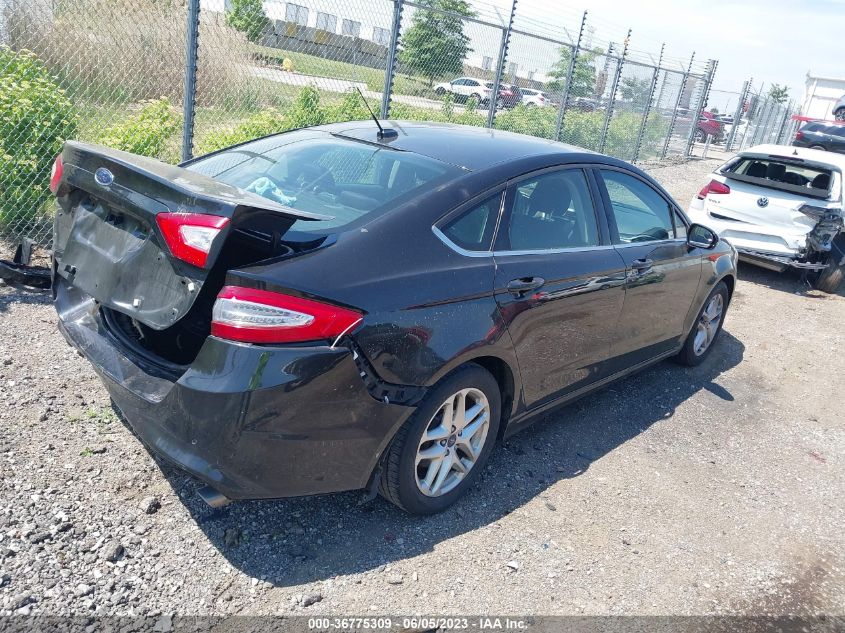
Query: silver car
[839, 109]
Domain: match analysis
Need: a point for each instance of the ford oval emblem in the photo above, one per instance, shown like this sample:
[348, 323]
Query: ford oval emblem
[103, 177]
[762, 202]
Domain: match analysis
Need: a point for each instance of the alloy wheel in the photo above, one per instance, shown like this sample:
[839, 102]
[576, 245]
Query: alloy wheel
[708, 324]
[452, 442]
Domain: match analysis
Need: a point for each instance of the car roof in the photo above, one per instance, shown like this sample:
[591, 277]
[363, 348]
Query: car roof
[473, 148]
[837, 161]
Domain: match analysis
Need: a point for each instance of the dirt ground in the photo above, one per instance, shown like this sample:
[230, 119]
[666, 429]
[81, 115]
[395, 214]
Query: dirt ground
[711, 490]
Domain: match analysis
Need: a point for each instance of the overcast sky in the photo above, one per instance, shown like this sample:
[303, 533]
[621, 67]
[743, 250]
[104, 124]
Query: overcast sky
[771, 40]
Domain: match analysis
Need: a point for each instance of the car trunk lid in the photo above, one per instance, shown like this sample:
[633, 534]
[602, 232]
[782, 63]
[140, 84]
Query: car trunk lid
[107, 242]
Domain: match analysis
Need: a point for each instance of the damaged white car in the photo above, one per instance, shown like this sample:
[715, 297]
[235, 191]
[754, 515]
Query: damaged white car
[780, 207]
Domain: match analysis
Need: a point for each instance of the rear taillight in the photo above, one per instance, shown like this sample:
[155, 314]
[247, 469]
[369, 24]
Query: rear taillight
[190, 235]
[261, 316]
[799, 136]
[715, 187]
[56, 174]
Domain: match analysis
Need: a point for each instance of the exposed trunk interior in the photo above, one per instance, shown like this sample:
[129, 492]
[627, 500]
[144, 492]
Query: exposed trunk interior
[179, 344]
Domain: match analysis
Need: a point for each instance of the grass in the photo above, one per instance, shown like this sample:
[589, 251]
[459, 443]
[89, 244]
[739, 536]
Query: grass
[374, 77]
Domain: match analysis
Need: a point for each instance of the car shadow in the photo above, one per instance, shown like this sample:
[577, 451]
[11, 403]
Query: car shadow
[294, 541]
[23, 295]
[791, 280]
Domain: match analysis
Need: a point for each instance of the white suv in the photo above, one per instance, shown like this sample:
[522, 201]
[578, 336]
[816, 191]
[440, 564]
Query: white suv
[465, 88]
[534, 98]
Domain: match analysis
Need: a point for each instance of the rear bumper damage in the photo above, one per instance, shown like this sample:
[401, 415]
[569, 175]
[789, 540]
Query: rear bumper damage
[251, 421]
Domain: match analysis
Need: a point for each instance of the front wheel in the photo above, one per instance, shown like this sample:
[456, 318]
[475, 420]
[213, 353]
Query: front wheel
[440, 451]
[706, 328]
[440, 91]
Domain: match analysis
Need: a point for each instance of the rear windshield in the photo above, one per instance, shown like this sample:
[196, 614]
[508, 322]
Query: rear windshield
[794, 176]
[317, 172]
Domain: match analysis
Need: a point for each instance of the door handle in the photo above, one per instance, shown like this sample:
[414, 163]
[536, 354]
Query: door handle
[642, 266]
[519, 287]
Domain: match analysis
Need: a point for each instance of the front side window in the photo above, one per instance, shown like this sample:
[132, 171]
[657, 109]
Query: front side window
[316, 172]
[642, 214]
[473, 229]
[552, 211]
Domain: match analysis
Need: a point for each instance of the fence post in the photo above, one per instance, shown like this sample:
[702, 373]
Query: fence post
[648, 105]
[677, 105]
[608, 115]
[786, 108]
[702, 101]
[570, 73]
[189, 99]
[763, 120]
[743, 95]
[390, 69]
[500, 69]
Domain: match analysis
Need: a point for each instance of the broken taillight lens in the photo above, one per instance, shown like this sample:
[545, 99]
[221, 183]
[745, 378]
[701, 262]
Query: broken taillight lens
[261, 316]
[190, 236]
[715, 187]
[56, 174]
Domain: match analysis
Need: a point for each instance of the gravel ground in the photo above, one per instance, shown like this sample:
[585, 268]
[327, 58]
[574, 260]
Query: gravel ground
[711, 490]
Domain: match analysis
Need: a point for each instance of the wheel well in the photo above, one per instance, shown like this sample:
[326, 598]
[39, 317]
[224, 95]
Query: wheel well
[730, 282]
[501, 371]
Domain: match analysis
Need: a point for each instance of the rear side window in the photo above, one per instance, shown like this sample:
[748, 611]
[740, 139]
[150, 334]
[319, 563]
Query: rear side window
[473, 230]
[642, 214]
[552, 211]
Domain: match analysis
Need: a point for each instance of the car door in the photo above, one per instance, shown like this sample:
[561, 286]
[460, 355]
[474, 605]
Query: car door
[559, 283]
[837, 138]
[662, 271]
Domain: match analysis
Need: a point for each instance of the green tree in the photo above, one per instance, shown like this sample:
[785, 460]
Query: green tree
[435, 44]
[584, 77]
[248, 16]
[778, 94]
[637, 91]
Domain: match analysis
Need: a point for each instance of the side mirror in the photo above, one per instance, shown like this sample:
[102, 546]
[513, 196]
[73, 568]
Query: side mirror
[699, 236]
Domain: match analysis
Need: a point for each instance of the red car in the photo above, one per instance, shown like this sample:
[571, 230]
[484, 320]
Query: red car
[709, 124]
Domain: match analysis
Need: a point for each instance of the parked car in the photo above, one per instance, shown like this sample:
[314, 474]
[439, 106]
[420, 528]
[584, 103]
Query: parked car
[821, 135]
[464, 88]
[780, 207]
[839, 109]
[510, 96]
[531, 98]
[709, 124]
[336, 308]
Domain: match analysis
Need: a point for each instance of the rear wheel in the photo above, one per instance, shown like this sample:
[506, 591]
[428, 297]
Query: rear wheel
[440, 451]
[821, 147]
[839, 115]
[700, 136]
[831, 277]
[440, 91]
[706, 328]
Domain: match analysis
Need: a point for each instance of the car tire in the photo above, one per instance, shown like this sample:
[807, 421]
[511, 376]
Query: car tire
[830, 279]
[839, 115]
[691, 353]
[404, 474]
[475, 96]
[440, 91]
[700, 136]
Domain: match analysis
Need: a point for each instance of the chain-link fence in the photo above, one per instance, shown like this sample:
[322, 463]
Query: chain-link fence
[176, 78]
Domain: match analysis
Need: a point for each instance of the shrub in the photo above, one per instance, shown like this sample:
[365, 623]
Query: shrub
[305, 111]
[145, 132]
[35, 119]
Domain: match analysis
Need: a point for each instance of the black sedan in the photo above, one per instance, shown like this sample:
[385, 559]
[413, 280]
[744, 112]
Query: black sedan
[333, 309]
